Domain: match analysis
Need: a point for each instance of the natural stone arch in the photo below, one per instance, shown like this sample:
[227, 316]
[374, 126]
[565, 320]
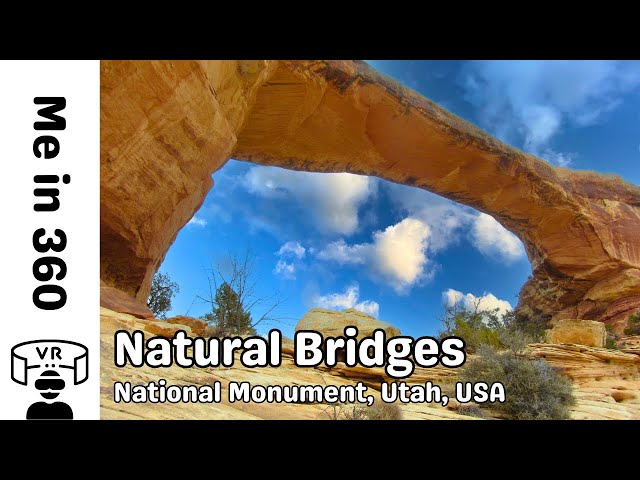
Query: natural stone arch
[167, 126]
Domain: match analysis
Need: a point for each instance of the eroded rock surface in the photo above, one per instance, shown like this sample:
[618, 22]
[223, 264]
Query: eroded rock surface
[119, 301]
[166, 126]
[606, 382]
[581, 332]
[332, 324]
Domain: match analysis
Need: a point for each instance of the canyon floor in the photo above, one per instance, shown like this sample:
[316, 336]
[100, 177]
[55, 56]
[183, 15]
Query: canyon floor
[606, 382]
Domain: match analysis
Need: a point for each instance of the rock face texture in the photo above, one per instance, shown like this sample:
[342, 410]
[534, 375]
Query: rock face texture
[332, 324]
[117, 300]
[166, 126]
[606, 383]
[582, 332]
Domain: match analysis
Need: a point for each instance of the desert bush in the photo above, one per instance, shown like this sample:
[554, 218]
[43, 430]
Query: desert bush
[471, 410]
[633, 325]
[611, 344]
[383, 411]
[611, 339]
[378, 411]
[516, 332]
[534, 390]
[488, 327]
[471, 325]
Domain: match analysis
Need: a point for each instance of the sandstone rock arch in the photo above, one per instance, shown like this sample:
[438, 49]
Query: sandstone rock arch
[167, 126]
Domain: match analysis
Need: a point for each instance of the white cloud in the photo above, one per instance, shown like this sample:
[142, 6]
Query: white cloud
[488, 301]
[292, 249]
[285, 270]
[446, 219]
[197, 222]
[332, 199]
[397, 255]
[400, 253]
[529, 102]
[343, 253]
[493, 239]
[347, 299]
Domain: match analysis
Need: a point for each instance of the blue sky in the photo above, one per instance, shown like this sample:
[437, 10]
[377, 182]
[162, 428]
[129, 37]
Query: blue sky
[399, 253]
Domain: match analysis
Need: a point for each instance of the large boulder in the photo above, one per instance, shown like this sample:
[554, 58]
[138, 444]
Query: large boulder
[582, 332]
[332, 324]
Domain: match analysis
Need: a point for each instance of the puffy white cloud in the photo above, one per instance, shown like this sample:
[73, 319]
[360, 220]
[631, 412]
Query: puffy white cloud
[285, 270]
[452, 297]
[332, 199]
[528, 102]
[446, 219]
[291, 249]
[488, 301]
[347, 299]
[397, 255]
[493, 239]
[197, 222]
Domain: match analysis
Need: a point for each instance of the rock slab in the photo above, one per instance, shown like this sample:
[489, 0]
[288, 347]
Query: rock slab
[581, 332]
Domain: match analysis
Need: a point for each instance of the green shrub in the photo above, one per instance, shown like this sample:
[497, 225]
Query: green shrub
[533, 389]
[633, 325]
[611, 344]
[612, 338]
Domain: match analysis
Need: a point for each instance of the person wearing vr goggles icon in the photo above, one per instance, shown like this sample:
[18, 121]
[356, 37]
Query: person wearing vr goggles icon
[50, 360]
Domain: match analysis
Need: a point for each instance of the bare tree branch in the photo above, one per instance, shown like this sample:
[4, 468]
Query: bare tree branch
[238, 273]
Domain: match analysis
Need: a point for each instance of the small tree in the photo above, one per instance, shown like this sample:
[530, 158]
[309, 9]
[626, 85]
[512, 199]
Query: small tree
[232, 297]
[162, 291]
[227, 313]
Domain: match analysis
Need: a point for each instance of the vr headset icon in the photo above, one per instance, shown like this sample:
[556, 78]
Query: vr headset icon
[49, 355]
